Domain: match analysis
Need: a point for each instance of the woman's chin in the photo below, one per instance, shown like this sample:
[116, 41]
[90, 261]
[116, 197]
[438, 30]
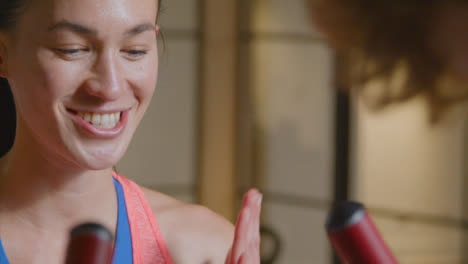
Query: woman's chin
[99, 162]
[94, 154]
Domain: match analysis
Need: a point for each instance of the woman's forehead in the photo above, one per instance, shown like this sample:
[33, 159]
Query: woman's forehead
[99, 14]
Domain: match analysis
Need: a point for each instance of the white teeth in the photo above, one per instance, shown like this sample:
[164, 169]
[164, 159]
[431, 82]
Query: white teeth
[96, 119]
[87, 117]
[112, 118]
[105, 120]
[101, 120]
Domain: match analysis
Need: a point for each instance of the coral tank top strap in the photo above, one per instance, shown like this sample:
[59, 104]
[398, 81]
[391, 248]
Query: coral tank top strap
[147, 241]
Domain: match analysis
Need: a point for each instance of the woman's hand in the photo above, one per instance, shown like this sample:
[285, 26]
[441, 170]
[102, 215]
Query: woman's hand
[246, 246]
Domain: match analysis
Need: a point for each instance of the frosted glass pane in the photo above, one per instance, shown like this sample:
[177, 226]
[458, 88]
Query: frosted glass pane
[275, 16]
[295, 114]
[179, 14]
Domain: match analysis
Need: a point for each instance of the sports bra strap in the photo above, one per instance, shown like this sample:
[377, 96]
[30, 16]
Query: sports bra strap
[147, 241]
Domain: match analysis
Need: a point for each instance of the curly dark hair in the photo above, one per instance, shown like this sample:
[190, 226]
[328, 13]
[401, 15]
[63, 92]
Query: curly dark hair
[386, 43]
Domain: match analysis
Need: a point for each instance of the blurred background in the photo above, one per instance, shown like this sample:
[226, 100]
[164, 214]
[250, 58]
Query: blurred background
[247, 97]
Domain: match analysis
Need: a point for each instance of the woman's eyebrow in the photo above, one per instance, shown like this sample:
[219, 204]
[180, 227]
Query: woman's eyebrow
[84, 30]
[81, 29]
[140, 29]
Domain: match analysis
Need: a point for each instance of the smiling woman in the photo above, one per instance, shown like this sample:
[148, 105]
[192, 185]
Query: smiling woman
[81, 74]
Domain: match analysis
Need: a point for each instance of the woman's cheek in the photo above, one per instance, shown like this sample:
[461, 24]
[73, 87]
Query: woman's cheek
[146, 79]
[61, 77]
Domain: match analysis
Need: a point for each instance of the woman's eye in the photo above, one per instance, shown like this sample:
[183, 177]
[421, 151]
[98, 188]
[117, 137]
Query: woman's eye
[135, 54]
[71, 52]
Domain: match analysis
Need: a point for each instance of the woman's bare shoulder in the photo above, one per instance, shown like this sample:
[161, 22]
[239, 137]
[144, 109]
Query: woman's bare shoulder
[193, 233]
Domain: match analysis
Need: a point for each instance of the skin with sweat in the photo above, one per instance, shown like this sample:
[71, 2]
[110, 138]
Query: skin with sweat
[83, 73]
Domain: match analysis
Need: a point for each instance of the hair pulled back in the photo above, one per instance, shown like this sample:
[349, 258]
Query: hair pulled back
[9, 11]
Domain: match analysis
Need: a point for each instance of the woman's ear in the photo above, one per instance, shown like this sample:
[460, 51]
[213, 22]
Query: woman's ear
[158, 30]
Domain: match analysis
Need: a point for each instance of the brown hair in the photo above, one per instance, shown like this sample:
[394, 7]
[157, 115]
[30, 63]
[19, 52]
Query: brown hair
[385, 43]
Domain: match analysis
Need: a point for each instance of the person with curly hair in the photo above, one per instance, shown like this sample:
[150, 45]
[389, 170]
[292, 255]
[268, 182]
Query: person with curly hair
[410, 48]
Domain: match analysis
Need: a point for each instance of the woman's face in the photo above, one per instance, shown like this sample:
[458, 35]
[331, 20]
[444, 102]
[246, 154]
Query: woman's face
[82, 73]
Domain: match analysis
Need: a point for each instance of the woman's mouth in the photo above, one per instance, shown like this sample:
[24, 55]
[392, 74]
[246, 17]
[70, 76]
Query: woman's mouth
[108, 120]
[102, 125]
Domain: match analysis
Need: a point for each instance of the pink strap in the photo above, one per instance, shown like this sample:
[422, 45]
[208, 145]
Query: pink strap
[147, 241]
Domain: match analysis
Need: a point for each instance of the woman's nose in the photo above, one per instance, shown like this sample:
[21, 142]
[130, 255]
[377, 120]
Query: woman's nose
[108, 82]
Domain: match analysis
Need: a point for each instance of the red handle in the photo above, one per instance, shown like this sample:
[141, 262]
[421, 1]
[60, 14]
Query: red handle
[90, 244]
[355, 237]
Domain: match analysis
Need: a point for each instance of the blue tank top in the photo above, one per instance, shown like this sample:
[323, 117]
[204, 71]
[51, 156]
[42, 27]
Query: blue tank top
[123, 241]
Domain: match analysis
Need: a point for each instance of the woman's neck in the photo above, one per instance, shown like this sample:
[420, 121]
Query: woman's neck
[52, 196]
